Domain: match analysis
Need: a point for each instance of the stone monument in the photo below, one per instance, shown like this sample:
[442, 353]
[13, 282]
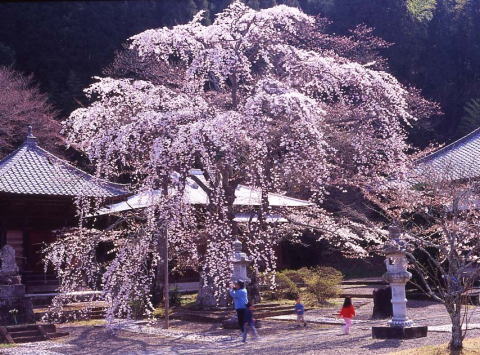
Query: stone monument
[7, 256]
[400, 326]
[12, 292]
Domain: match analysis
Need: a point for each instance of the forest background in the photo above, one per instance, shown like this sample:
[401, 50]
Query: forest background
[435, 45]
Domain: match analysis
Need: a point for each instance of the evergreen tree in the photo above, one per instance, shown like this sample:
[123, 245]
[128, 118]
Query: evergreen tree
[7, 55]
[190, 10]
[436, 42]
[267, 3]
[205, 6]
[471, 119]
[292, 3]
[254, 4]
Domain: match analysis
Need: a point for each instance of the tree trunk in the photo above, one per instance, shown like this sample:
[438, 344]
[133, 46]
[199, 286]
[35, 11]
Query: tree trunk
[456, 343]
[157, 298]
[206, 296]
[253, 289]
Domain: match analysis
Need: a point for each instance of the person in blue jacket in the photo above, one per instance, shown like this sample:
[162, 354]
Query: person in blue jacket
[249, 323]
[240, 300]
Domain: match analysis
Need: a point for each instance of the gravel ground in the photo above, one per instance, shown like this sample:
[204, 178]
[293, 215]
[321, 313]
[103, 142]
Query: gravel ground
[277, 337]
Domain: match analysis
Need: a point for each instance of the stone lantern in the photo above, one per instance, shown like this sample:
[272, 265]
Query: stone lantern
[399, 327]
[239, 262]
[397, 276]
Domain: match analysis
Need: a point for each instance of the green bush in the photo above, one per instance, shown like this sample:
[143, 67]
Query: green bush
[297, 276]
[137, 308]
[270, 295]
[286, 288]
[328, 271]
[324, 283]
[175, 298]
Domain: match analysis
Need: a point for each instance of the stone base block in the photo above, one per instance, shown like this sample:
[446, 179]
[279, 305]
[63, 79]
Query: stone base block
[399, 333]
[16, 310]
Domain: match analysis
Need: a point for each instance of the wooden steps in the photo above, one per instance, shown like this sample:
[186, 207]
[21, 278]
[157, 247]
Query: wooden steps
[361, 288]
[97, 313]
[365, 281]
[77, 310]
[41, 284]
[43, 300]
[356, 295]
[28, 333]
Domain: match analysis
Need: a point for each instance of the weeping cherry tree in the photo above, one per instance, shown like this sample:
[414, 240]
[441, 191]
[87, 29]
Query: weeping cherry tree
[257, 98]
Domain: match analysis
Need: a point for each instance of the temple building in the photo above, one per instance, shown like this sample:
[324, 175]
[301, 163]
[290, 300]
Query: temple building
[38, 191]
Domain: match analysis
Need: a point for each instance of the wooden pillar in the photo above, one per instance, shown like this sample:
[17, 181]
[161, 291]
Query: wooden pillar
[26, 250]
[166, 287]
[3, 235]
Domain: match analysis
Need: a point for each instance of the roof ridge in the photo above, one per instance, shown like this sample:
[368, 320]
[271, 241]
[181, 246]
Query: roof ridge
[6, 161]
[76, 169]
[30, 169]
[450, 146]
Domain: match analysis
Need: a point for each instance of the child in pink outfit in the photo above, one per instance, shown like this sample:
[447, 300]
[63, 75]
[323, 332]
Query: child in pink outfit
[347, 313]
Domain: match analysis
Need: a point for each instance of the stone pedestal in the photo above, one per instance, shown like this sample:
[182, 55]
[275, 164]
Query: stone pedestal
[238, 261]
[15, 308]
[387, 332]
[399, 301]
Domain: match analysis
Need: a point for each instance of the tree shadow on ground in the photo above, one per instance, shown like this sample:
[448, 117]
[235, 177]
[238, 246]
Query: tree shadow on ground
[105, 341]
[387, 343]
[421, 303]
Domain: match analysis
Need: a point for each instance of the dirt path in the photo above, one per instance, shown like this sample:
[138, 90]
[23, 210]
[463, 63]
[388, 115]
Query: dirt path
[277, 337]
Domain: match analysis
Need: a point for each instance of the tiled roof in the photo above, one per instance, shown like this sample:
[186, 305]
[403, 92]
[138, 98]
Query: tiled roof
[195, 195]
[456, 161]
[31, 170]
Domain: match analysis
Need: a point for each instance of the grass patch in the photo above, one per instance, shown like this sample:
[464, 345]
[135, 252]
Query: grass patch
[336, 302]
[280, 302]
[159, 312]
[186, 301]
[85, 323]
[470, 347]
[6, 346]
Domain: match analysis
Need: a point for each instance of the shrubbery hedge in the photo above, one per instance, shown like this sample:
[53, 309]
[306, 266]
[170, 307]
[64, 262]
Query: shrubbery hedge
[321, 283]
